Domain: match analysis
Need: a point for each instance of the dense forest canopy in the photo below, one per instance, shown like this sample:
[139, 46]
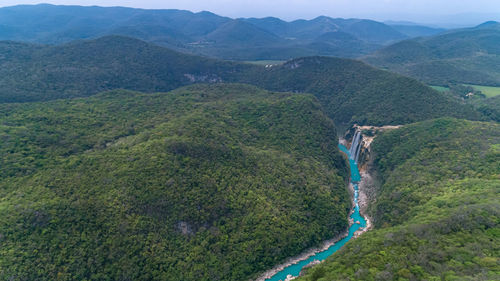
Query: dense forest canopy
[436, 212]
[350, 91]
[470, 55]
[203, 183]
[129, 150]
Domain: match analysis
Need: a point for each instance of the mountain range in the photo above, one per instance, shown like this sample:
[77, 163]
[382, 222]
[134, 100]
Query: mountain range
[351, 91]
[129, 150]
[468, 55]
[201, 33]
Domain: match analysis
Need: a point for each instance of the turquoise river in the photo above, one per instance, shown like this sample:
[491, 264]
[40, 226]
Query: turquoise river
[295, 269]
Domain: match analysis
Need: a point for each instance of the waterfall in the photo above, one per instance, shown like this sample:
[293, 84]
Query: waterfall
[355, 146]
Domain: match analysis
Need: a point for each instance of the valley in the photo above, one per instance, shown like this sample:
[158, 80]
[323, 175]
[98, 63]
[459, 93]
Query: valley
[170, 144]
[349, 90]
[436, 211]
[204, 182]
[357, 225]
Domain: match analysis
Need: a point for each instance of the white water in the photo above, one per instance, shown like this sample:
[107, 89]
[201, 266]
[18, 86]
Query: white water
[355, 146]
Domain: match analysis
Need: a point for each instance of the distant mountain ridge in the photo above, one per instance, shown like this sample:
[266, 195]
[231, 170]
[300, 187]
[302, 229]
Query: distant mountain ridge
[417, 30]
[468, 55]
[202, 33]
[366, 30]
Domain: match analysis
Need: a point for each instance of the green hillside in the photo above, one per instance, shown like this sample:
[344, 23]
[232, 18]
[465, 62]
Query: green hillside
[202, 183]
[353, 92]
[436, 212]
[489, 107]
[487, 91]
[469, 56]
[350, 91]
[83, 68]
[142, 144]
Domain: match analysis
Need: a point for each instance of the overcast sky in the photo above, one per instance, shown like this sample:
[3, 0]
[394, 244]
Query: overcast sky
[425, 11]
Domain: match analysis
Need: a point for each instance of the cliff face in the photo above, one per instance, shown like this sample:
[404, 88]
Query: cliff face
[368, 134]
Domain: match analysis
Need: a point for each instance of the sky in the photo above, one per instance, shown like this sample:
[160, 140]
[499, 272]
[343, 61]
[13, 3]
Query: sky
[458, 12]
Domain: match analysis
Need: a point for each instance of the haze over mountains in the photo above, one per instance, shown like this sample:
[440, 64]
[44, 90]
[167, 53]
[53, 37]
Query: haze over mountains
[432, 55]
[469, 55]
[203, 33]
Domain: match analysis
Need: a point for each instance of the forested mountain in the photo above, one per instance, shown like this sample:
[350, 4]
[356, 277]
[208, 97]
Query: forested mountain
[470, 55]
[200, 33]
[366, 30]
[353, 92]
[50, 24]
[437, 210]
[204, 183]
[415, 30]
[350, 91]
[83, 68]
[122, 158]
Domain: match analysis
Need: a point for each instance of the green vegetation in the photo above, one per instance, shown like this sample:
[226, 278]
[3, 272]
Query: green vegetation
[487, 91]
[462, 56]
[437, 211]
[104, 178]
[266, 62]
[84, 68]
[202, 33]
[484, 99]
[203, 183]
[440, 88]
[350, 91]
[489, 107]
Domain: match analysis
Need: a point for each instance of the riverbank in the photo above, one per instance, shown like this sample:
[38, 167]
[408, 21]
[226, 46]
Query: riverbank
[306, 255]
[357, 225]
[365, 187]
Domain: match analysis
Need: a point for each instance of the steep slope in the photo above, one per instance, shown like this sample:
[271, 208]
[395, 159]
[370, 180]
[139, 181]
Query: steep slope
[459, 56]
[352, 92]
[436, 212]
[87, 67]
[204, 183]
[349, 90]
